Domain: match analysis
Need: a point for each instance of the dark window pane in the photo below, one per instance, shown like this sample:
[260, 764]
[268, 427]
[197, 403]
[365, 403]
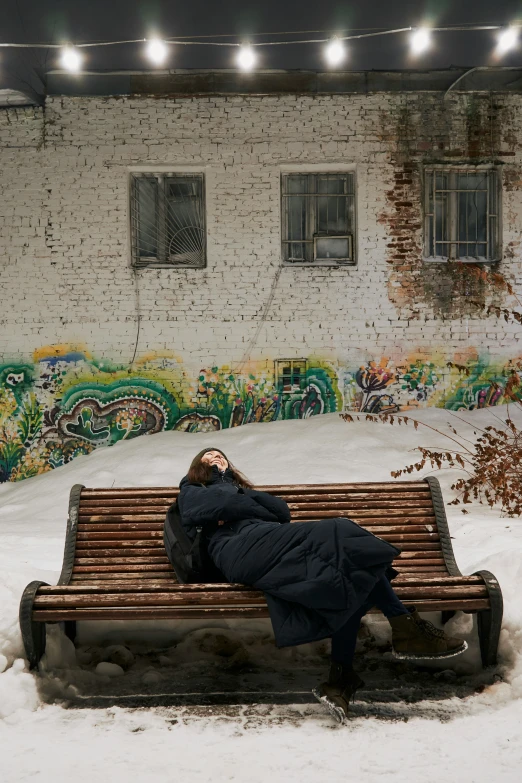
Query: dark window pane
[296, 211]
[146, 193]
[184, 219]
[295, 251]
[331, 215]
[296, 183]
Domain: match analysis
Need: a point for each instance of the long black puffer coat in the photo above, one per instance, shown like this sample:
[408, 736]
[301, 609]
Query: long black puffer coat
[315, 575]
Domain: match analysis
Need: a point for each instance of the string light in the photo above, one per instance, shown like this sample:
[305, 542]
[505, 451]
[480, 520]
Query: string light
[335, 52]
[507, 40]
[246, 58]
[156, 51]
[71, 59]
[420, 40]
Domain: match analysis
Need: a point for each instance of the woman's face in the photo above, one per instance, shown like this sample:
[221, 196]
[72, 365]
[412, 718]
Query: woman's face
[215, 458]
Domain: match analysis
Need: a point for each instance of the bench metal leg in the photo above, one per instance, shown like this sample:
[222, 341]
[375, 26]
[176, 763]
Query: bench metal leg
[33, 634]
[69, 628]
[490, 620]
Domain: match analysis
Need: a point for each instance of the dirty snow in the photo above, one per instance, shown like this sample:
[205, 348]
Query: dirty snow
[471, 734]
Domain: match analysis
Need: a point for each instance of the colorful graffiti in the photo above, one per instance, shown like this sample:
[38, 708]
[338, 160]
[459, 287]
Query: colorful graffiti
[67, 403]
[485, 385]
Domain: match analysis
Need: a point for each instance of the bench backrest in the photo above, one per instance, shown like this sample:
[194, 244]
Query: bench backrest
[119, 534]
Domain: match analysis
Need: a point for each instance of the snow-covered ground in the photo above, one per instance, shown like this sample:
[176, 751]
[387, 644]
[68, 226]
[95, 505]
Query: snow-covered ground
[470, 738]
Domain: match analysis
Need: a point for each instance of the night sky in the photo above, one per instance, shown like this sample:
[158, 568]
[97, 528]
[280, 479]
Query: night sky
[70, 20]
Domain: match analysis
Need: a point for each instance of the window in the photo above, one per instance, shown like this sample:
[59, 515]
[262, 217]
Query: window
[462, 213]
[290, 374]
[318, 218]
[168, 220]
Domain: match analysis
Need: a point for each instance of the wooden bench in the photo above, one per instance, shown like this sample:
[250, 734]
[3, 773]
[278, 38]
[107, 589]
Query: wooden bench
[115, 566]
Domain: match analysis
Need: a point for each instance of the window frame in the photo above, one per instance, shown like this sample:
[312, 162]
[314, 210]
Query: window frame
[280, 375]
[161, 175]
[309, 171]
[454, 169]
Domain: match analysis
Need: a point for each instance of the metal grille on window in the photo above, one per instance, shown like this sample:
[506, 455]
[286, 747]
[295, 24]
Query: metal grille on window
[462, 214]
[168, 220]
[291, 374]
[318, 218]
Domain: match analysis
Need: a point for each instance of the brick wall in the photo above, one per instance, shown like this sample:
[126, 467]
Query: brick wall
[66, 280]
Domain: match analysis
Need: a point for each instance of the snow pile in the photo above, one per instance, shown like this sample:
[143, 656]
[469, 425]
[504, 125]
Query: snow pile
[319, 450]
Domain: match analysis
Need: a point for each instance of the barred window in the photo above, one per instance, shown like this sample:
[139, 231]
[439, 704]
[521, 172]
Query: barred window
[462, 213]
[167, 220]
[318, 218]
[290, 374]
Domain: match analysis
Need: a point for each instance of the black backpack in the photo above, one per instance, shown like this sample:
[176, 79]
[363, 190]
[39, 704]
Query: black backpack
[188, 555]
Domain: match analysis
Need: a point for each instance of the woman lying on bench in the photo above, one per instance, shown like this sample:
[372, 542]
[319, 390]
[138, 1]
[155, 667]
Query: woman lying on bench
[319, 579]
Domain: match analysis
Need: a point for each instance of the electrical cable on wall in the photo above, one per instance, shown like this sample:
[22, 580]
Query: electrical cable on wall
[262, 320]
[135, 273]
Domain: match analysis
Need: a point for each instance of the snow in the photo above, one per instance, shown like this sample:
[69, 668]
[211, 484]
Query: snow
[46, 735]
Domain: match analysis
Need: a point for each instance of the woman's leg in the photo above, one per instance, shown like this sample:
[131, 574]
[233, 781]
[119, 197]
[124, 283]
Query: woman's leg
[384, 598]
[342, 681]
[345, 639]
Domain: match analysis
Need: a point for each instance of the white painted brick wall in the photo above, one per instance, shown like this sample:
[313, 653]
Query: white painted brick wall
[64, 259]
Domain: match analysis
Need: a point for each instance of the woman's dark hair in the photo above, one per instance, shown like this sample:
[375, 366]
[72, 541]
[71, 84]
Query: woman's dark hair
[201, 472]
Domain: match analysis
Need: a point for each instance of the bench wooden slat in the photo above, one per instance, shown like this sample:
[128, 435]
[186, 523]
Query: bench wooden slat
[406, 568]
[123, 567]
[136, 577]
[153, 513]
[415, 548]
[94, 555]
[124, 587]
[421, 569]
[432, 557]
[129, 536]
[426, 535]
[341, 505]
[418, 551]
[84, 546]
[377, 528]
[362, 486]
[177, 598]
[158, 520]
[297, 500]
[122, 552]
[198, 612]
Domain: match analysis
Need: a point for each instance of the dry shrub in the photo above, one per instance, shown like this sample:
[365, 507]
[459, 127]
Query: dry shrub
[493, 462]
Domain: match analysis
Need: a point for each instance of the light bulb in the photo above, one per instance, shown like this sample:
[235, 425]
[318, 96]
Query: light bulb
[71, 59]
[420, 40]
[156, 51]
[507, 40]
[246, 58]
[335, 52]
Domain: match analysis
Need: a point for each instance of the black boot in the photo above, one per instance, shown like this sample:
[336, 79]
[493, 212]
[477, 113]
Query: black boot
[336, 693]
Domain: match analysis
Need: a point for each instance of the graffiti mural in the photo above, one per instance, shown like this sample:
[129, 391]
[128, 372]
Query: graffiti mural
[66, 403]
[484, 385]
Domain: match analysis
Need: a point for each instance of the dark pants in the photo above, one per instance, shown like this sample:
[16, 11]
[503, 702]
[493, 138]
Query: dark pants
[344, 640]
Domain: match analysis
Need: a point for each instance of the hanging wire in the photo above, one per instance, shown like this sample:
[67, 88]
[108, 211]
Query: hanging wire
[185, 41]
[250, 346]
[135, 273]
